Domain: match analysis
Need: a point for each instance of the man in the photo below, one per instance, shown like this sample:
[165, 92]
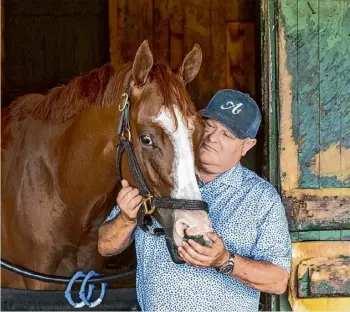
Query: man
[251, 247]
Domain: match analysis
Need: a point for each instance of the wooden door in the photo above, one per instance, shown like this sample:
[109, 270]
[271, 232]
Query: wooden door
[313, 100]
[225, 30]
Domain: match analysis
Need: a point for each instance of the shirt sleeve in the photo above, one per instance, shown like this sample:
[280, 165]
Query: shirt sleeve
[113, 214]
[273, 242]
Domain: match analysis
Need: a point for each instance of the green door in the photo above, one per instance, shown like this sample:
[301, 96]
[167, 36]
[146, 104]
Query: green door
[307, 93]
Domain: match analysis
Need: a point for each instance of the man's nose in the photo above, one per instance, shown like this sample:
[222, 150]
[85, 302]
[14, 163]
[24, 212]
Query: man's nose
[214, 136]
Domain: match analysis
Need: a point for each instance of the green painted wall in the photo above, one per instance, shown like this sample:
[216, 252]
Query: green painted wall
[317, 34]
[318, 58]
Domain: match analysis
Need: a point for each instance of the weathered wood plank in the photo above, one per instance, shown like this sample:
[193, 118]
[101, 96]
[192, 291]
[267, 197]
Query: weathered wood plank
[311, 250]
[345, 95]
[113, 21]
[318, 213]
[294, 236]
[309, 236]
[240, 10]
[218, 46]
[324, 277]
[330, 68]
[325, 235]
[298, 123]
[308, 93]
[241, 69]
[197, 30]
[288, 93]
[161, 33]
[330, 235]
[125, 30]
[176, 32]
[345, 235]
[241, 57]
[146, 21]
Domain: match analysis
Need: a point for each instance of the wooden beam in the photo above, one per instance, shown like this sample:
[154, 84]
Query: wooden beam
[240, 42]
[318, 213]
[324, 277]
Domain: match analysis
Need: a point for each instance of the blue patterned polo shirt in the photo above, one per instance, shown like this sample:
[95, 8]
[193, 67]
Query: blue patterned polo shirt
[247, 213]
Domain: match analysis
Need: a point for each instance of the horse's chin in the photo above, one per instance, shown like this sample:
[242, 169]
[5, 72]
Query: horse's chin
[172, 247]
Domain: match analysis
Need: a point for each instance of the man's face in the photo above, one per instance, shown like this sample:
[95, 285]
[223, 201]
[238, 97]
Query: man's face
[220, 150]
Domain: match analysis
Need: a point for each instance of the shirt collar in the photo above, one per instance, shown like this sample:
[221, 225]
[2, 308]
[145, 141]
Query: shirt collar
[232, 177]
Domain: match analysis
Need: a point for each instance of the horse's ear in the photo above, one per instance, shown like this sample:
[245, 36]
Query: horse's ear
[189, 68]
[143, 63]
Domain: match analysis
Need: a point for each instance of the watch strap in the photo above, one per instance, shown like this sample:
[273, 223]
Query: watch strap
[228, 266]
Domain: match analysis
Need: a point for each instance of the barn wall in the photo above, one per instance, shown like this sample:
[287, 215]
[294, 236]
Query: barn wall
[47, 43]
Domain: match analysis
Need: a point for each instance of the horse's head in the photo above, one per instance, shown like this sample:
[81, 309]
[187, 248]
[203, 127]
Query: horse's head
[166, 132]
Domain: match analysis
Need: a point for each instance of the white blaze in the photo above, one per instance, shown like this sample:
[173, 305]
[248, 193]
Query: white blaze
[185, 183]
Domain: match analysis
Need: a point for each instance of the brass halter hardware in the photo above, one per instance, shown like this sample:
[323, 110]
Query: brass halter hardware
[128, 132]
[124, 101]
[147, 204]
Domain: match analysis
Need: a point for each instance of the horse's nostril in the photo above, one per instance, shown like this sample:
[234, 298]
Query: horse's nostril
[198, 239]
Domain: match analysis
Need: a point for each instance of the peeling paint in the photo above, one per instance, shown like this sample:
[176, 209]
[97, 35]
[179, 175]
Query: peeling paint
[333, 168]
[313, 49]
[288, 149]
[307, 250]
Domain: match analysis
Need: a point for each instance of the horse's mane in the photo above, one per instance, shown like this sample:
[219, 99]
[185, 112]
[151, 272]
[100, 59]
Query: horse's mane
[61, 103]
[100, 88]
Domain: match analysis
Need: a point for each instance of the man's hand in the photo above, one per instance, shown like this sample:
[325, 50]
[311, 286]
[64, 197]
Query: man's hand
[129, 201]
[204, 257]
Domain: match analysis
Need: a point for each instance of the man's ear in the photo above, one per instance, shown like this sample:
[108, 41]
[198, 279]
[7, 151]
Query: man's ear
[248, 144]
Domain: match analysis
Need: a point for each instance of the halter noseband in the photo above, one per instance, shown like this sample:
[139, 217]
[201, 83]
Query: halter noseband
[149, 203]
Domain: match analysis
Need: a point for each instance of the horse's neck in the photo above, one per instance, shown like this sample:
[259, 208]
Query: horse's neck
[30, 184]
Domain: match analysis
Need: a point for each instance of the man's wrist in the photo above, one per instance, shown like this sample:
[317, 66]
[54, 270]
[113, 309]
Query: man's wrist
[127, 220]
[228, 266]
[225, 257]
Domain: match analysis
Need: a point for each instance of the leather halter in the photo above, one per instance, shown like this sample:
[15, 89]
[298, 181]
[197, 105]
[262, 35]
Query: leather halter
[149, 203]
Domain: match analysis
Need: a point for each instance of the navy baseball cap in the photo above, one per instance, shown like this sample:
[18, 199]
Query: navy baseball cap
[237, 111]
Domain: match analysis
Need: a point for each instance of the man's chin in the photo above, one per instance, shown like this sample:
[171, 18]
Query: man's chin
[207, 159]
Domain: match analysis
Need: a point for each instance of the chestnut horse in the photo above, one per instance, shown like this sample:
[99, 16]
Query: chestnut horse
[59, 175]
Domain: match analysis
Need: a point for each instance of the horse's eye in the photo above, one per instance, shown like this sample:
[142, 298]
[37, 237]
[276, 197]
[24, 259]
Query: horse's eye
[146, 140]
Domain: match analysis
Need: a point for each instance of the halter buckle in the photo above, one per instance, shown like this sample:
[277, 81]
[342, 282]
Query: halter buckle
[148, 202]
[128, 132]
[124, 101]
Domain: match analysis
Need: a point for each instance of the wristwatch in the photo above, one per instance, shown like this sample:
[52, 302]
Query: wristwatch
[228, 266]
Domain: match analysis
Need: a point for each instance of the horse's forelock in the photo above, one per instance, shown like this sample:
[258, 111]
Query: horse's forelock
[174, 93]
